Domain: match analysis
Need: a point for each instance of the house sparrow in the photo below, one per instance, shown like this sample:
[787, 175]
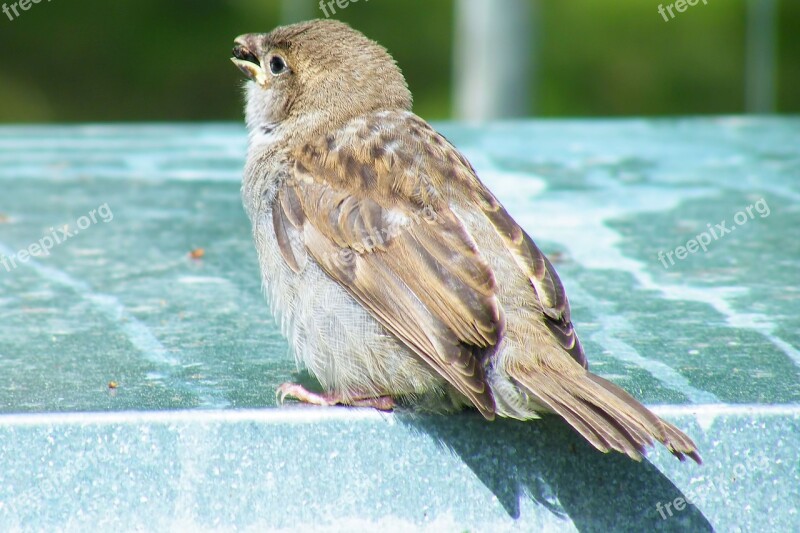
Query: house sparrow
[395, 274]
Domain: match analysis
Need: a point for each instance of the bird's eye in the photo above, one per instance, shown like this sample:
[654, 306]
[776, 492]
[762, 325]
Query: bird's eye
[277, 65]
[240, 52]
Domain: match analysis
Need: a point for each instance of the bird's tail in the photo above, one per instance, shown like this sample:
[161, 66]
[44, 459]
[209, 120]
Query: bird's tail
[606, 415]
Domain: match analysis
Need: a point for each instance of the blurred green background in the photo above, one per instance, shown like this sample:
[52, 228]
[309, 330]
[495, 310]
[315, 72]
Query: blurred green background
[156, 60]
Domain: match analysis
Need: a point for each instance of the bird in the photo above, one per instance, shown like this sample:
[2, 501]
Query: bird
[397, 277]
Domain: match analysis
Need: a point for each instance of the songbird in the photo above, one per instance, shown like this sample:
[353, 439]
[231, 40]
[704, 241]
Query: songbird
[396, 275]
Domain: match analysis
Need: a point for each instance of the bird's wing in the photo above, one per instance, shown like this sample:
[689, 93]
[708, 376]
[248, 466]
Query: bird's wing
[540, 272]
[364, 204]
[548, 289]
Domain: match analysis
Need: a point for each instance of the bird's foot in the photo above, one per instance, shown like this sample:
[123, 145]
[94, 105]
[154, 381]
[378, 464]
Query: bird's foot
[300, 393]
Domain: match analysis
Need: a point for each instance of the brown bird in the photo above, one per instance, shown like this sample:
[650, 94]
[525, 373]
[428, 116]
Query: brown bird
[396, 275]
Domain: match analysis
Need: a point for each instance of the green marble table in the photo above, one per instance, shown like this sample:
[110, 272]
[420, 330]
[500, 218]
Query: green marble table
[137, 382]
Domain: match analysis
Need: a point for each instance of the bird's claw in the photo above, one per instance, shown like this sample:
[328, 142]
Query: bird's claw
[300, 393]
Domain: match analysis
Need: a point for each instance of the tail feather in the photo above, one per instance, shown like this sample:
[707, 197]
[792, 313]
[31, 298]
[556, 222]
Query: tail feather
[673, 438]
[597, 429]
[604, 414]
[631, 432]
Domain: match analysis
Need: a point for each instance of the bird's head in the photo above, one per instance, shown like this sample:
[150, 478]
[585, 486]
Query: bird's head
[317, 74]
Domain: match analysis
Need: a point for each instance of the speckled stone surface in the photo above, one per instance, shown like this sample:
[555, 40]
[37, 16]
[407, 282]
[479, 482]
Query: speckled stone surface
[190, 438]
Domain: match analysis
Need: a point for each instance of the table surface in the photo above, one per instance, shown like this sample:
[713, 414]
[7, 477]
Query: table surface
[189, 435]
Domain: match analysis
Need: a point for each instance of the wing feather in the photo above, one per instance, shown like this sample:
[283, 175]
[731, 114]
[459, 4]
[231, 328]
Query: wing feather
[532, 262]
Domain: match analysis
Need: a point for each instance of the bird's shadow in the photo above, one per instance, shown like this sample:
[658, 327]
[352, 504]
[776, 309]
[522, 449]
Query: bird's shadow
[549, 463]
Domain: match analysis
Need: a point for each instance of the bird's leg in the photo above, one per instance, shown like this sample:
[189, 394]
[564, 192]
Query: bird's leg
[300, 393]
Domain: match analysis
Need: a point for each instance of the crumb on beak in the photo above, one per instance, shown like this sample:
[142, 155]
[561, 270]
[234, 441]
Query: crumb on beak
[248, 63]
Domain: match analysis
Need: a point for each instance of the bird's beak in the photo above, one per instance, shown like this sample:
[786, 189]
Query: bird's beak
[248, 63]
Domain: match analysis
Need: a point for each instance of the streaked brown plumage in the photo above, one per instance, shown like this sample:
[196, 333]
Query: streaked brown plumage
[395, 272]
